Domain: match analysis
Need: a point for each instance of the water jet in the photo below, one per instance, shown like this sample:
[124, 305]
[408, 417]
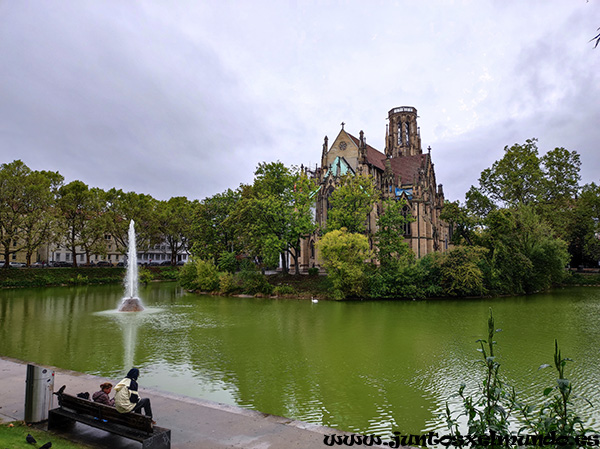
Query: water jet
[131, 302]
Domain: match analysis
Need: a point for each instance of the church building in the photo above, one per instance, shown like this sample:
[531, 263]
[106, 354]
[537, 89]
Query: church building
[402, 170]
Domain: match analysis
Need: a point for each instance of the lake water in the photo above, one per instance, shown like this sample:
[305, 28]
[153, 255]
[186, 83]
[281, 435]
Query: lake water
[367, 367]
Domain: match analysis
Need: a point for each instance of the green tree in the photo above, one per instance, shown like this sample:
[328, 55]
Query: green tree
[583, 228]
[392, 250]
[213, 228]
[344, 254]
[174, 224]
[39, 223]
[275, 213]
[26, 207]
[516, 178]
[350, 203]
[121, 208]
[525, 257]
[83, 222]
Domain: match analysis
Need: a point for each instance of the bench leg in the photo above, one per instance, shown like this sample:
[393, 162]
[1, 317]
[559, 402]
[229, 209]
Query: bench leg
[159, 441]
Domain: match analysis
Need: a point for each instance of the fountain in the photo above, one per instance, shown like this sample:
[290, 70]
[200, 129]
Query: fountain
[131, 302]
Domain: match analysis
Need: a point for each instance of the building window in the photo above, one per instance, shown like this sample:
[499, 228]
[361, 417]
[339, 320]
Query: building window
[406, 214]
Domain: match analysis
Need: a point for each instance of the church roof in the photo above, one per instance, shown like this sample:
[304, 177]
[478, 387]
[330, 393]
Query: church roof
[405, 167]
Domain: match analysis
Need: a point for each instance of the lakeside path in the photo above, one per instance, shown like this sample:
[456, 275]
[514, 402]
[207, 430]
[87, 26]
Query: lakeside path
[194, 423]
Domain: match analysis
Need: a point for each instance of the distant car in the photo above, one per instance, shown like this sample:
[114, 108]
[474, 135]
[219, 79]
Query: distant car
[166, 262]
[104, 263]
[91, 264]
[180, 263]
[60, 264]
[38, 265]
[17, 264]
[121, 264]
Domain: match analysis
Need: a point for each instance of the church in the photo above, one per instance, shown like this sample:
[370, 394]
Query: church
[401, 171]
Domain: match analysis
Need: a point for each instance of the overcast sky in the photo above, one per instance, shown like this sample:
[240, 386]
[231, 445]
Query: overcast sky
[178, 98]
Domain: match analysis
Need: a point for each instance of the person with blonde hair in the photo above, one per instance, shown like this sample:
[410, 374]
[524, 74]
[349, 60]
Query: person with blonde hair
[102, 397]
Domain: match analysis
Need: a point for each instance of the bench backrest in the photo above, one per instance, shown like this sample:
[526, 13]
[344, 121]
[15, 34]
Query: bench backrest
[104, 412]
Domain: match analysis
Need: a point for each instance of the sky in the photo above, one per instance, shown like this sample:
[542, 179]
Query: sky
[186, 98]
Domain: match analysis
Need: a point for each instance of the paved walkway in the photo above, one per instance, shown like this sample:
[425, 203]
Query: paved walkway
[194, 423]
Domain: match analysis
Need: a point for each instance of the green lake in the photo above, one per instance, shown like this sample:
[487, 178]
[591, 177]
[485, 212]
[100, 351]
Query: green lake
[367, 367]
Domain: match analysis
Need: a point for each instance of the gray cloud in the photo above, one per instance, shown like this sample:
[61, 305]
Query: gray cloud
[187, 98]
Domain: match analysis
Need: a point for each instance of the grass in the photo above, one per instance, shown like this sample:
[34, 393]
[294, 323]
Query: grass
[12, 436]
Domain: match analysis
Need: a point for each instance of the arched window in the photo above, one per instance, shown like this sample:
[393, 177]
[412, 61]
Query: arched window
[406, 132]
[406, 214]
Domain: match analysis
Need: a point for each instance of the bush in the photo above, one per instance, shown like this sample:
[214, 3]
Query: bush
[145, 275]
[228, 283]
[313, 271]
[281, 290]
[187, 275]
[344, 256]
[254, 282]
[207, 279]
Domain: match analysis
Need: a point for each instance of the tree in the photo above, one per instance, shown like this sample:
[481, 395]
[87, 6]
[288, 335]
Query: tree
[350, 203]
[213, 229]
[25, 209]
[583, 228]
[525, 256]
[173, 224]
[39, 225]
[392, 249]
[275, 213]
[121, 208]
[344, 255]
[81, 212]
[515, 179]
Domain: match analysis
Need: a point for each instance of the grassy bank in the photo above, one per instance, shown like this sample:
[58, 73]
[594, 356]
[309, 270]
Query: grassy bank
[47, 277]
[12, 435]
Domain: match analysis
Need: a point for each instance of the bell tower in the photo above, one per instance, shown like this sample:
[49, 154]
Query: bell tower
[403, 136]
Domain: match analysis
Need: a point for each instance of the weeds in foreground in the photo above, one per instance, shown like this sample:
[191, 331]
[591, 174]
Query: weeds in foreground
[494, 409]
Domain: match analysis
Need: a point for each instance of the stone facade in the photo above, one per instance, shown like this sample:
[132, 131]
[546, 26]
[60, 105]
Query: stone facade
[401, 171]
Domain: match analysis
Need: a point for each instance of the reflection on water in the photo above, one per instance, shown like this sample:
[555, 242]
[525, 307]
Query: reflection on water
[369, 367]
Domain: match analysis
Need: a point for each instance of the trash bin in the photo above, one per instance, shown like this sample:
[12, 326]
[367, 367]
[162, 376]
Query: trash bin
[39, 386]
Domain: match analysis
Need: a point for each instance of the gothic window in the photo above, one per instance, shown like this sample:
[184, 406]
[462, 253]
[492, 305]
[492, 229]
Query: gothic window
[399, 133]
[406, 214]
[312, 249]
[406, 128]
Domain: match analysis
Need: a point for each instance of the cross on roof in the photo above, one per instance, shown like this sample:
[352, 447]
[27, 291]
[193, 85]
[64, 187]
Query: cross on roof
[343, 125]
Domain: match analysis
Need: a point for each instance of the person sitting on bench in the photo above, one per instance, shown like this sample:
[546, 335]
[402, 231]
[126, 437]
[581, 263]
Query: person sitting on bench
[102, 397]
[127, 399]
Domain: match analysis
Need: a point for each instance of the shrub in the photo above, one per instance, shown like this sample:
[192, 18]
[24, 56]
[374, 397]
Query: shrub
[187, 275]
[145, 275]
[344, 256]
[253, 282]
[281, 290]
[313, 271]
[207, 279]
[228, 283]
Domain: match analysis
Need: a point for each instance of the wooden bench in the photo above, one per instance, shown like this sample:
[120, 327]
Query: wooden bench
[133, 426]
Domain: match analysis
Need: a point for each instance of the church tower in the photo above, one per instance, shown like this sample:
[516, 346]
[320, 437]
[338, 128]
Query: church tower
[403, 136]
